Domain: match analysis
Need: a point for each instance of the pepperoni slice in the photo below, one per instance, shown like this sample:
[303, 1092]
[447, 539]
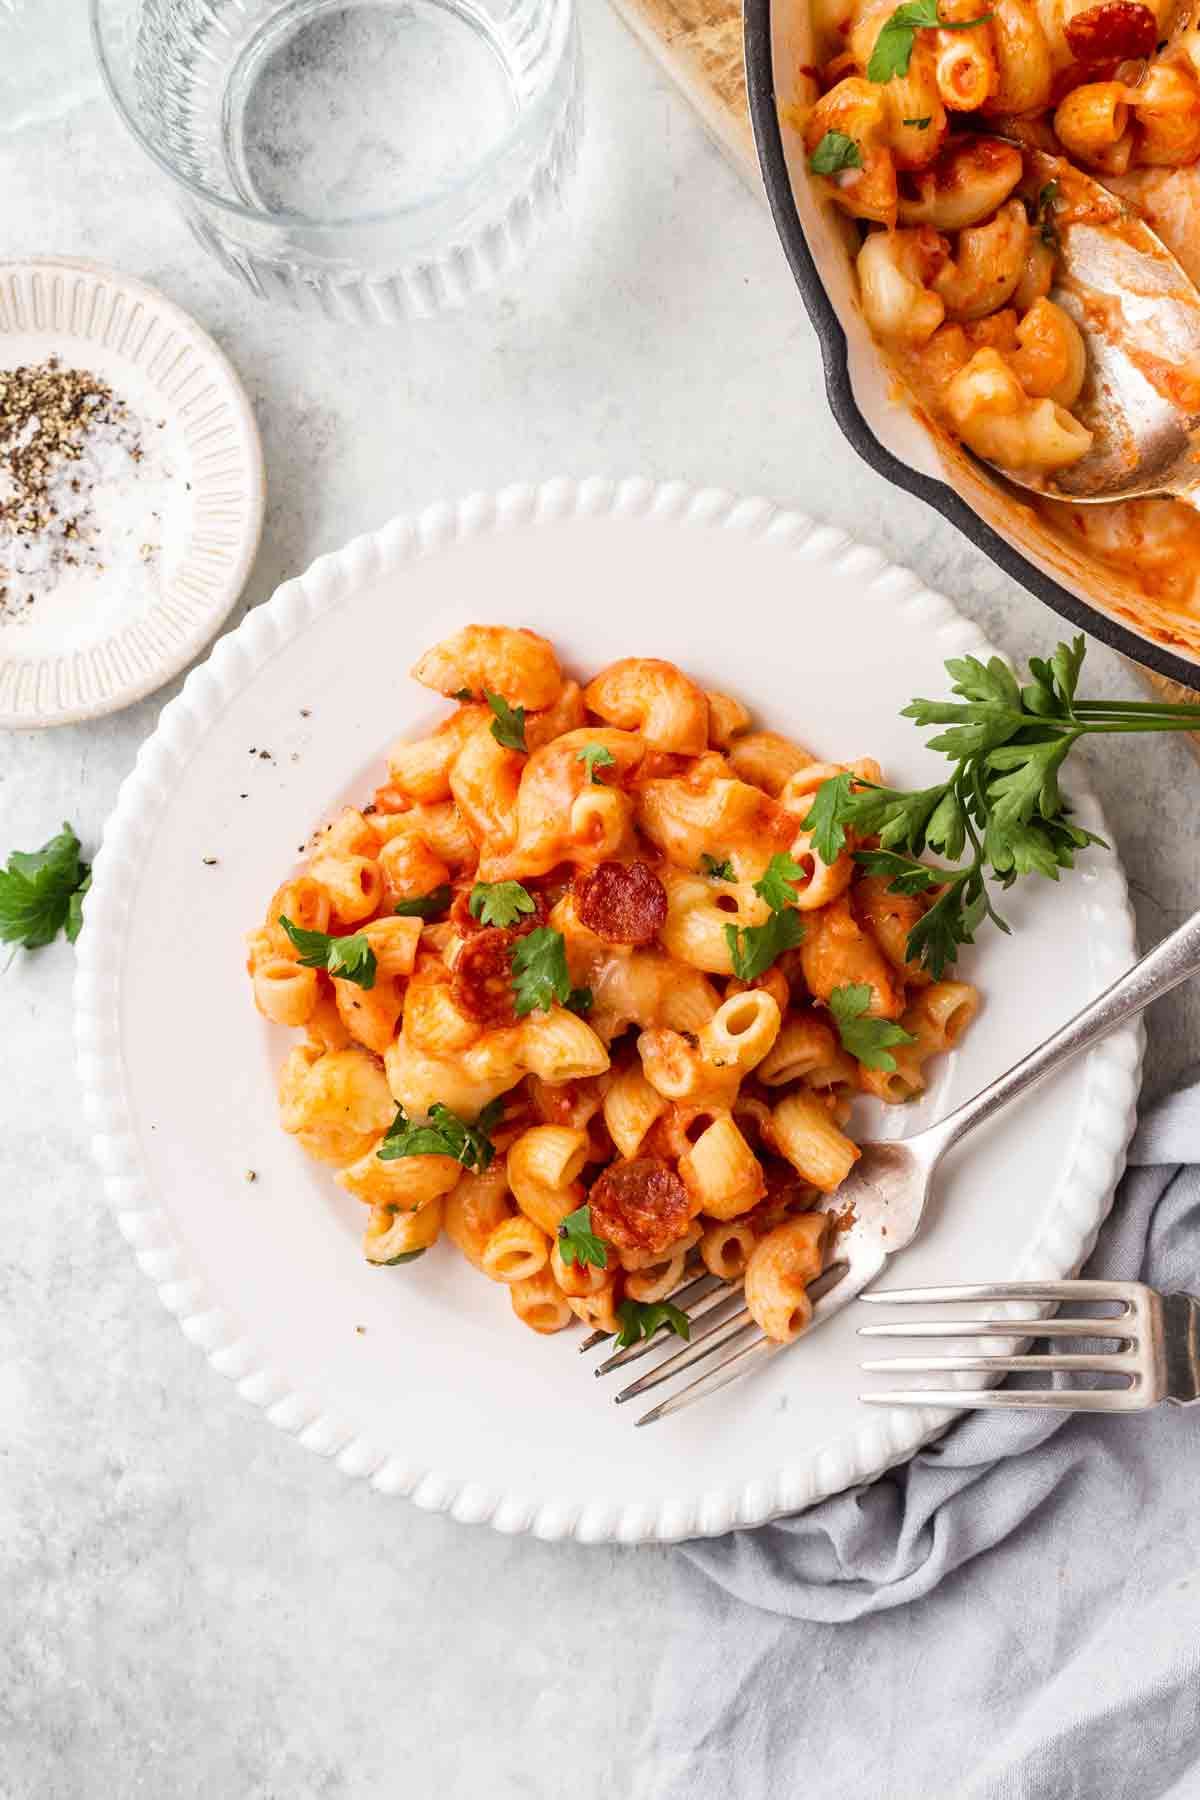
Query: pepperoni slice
[483, 977]
[624, 903]
[639, 1205]
[1113, 31]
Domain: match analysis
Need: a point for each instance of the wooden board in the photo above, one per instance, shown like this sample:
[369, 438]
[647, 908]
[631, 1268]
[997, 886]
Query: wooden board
[699, 44]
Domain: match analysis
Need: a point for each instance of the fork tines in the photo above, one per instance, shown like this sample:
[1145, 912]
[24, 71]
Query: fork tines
[709, 1301]
[1131, 1332]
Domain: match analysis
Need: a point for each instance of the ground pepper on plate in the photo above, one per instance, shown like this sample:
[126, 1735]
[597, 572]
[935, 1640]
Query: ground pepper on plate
[66, 440]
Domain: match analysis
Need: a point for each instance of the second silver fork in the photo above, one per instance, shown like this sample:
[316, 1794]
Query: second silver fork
[885, 1195]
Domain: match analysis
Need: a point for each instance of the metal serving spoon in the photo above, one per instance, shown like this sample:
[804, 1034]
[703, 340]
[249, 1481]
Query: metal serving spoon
[1140, 318]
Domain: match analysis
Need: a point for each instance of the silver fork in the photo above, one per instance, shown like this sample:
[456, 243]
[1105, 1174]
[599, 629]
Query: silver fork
[1155, 1354]
[885, 1194]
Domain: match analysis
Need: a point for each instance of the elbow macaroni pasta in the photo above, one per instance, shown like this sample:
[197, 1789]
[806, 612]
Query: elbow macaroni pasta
[956, 262]
[697, 1116]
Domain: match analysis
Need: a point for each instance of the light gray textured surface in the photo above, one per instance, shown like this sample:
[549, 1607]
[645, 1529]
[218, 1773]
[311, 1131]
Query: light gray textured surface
[191, 1605]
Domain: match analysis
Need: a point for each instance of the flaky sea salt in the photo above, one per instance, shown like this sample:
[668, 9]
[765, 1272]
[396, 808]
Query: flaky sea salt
[89, 499]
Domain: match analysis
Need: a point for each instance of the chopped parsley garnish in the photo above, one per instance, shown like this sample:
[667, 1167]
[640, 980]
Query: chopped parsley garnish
[870, 1041]
[424, 906]
[595, 756]
[1047, 230]
[894, 45]
[464, 694]
[578, 1243]
[642, 1318]
[445, 1135]
[834, 153]
[349, 958]
[41, 892]
[500, 902]
[775, 886]
[918, 124]
[754, 948]
[508, 725]
[541, 976]
[716, 871]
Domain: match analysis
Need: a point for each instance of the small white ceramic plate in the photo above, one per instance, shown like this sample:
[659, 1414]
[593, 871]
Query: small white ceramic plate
[419, 1377]
[111, 645]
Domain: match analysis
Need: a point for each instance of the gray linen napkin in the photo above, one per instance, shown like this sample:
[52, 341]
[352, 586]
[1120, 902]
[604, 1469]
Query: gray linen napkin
[1064, 1664]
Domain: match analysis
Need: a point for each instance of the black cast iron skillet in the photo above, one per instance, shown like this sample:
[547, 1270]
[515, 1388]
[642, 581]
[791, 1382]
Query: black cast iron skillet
[760, 82]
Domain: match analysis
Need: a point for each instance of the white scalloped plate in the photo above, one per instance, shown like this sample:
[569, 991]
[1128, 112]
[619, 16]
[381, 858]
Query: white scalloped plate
[419, 1378]
[81, 661]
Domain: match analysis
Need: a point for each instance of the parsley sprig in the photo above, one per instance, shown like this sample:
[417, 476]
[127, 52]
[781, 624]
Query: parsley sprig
[870, 1041]
[894, 45]
[349, 958]
[1001, 804]
[578, 1243]
[753, 948]
[41, 892]
[642, 1318]
[541, 975]
[445, 1135]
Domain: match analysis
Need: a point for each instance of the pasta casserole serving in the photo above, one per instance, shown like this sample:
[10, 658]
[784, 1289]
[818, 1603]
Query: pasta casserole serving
[578, 991]
[953, 132]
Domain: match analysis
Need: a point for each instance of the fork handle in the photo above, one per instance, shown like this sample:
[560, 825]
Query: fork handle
[1163, 968]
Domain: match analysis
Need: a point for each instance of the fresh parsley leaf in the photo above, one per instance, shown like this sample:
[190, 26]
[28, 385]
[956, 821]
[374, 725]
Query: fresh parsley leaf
[349, 958]
[578, 1243]
[834, 153]
[894, 45]
[1029, 780]
[775, 885]
[580, 1000]
[500, 902]
[1065, 665]
[445, 1135]
[74, 924]
[642, 1318]
[918, 124]
[508, 726]
[827, 814]
[902, 874]
[595, 756]
[870, 1041]
[41, 892]
[716, 871]
[754, 948]
[540, 973]
[424, 906]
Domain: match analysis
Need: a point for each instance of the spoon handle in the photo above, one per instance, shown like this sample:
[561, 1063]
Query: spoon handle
[1161, 969]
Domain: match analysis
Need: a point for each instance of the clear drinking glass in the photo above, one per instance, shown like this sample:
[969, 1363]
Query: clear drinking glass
[374, 160]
